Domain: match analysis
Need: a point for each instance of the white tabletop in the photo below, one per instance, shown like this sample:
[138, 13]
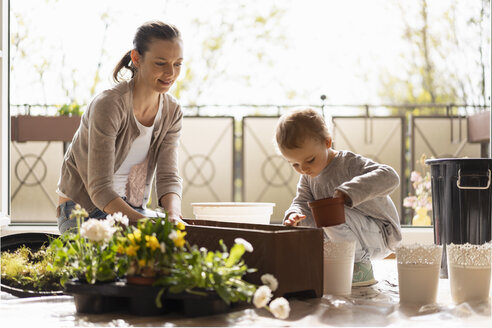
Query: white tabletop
[374, 306]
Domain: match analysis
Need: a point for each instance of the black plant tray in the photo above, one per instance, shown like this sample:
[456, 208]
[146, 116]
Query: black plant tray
[140, 300]
[4, 287]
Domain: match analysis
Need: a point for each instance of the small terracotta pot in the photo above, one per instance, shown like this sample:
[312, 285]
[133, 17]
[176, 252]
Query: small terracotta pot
[140, 280]
[328, 212]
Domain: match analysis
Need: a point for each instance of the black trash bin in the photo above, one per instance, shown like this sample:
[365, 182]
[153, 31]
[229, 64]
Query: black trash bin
[461, 202]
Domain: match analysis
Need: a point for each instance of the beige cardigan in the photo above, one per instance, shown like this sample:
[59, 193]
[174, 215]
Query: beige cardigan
[102, 142]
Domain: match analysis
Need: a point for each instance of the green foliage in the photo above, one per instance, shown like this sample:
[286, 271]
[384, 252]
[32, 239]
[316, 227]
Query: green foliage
[89, 260]
[102, 251]
[429, 71]
[72, 109]
[28, 270]
[198, 270]
[76, 256]
[148, 247]
[256, 34]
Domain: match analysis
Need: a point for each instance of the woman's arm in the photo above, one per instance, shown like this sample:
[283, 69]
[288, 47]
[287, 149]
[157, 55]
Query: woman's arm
[119, 205]
[168, 183]
[171, 202]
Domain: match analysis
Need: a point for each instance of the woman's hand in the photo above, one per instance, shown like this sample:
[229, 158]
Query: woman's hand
[293, 219]
[171, 202]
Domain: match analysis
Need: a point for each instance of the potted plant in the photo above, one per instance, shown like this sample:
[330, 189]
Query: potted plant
[27, 272]
[47, 128]
[421, 202]
[198, 271]
[196, 280]
[91, 253]
[149, 247]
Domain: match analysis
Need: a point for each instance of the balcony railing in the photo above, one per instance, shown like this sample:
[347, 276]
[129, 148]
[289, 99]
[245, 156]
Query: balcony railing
[227, 152]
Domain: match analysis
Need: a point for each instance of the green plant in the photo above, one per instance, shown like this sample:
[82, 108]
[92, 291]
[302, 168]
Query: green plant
[91, 253]
[29, 270]
[72, 109]
[149, 246]
[198, 270]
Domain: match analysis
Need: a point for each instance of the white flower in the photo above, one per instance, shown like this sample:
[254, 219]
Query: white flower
[97, 230]
[173, 235]
[262, 296]
[270, 281]
[163, 247]
[119, 218]
[280, 308]
[247, 246]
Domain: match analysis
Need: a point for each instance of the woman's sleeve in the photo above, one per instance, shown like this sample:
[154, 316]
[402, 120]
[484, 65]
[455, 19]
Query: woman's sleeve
[167, 178]
[103, 124]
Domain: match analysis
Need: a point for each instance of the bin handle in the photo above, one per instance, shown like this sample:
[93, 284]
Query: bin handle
[461, 187]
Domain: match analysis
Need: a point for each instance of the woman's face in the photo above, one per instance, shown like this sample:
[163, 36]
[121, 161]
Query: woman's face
[160, 66]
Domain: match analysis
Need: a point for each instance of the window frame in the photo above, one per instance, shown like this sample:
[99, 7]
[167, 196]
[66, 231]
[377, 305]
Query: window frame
[5, 114]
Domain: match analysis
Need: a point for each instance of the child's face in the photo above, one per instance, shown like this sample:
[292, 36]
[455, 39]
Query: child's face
[311, 158]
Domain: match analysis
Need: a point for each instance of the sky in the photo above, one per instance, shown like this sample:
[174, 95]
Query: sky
[336, 48]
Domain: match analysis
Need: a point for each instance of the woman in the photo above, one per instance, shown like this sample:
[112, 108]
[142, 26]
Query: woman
[127, 135]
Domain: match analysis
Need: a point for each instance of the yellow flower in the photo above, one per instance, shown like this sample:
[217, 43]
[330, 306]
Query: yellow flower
[179, 241]
[142, 262]
[181, 226]
[132, 250]
[152, 242]
[121, 249]
[138, 235]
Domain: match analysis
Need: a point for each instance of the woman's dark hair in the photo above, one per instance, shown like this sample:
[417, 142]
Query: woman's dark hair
[141, 42]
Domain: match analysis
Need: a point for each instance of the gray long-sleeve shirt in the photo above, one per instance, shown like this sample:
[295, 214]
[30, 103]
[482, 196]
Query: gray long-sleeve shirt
[367, 183]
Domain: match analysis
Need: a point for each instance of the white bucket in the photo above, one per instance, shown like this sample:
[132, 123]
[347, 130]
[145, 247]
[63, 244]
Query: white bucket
[239, 212]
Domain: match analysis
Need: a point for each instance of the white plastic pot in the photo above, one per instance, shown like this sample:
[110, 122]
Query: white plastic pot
[256, 213]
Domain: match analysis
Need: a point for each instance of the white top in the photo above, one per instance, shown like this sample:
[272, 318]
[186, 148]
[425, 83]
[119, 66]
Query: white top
[137, 154]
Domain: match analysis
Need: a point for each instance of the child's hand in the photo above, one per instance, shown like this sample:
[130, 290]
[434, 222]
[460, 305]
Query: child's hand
[344, 196]
[294, 219]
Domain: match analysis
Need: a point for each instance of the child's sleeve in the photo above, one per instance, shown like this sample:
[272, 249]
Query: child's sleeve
[369, 180]
[303, 196]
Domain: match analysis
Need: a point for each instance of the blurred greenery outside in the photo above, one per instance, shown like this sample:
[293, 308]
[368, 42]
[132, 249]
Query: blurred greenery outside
[439, 64]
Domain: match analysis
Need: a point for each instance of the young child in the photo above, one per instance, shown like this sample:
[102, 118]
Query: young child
[371, 218]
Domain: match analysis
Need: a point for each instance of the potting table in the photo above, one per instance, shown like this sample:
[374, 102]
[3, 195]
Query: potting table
[373, 306]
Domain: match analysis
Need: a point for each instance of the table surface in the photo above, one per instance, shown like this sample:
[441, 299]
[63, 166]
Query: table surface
[374, 306]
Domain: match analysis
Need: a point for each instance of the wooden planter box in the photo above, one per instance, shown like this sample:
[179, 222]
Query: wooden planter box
[479, 127]
[43, 128]
[294, 255]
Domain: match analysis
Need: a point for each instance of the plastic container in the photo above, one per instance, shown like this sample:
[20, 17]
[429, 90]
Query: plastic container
[328, 212]
[469, 272]
[140, 300]
[256, 213]
[338, 267]
[418, 273]
[461, 202]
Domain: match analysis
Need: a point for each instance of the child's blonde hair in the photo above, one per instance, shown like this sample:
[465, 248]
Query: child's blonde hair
[295, 127]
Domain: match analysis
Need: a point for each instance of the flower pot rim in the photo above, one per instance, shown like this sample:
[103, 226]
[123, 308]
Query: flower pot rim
[325, 202]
